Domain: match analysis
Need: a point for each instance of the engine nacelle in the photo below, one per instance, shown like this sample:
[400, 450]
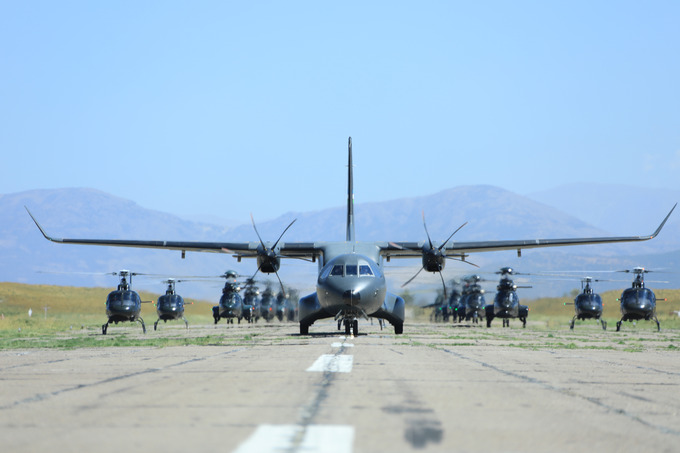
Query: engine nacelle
[433, 260]
[268, 260]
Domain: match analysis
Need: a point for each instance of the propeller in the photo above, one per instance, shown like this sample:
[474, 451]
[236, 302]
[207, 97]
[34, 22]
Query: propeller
[268, 258]
[434, 258]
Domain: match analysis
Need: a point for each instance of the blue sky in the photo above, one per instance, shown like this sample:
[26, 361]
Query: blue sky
[228, 108]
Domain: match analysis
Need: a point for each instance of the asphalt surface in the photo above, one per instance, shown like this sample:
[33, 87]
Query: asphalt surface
[265, 388]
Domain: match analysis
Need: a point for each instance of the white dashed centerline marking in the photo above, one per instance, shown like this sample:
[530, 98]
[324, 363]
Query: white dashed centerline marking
[285, 438]
[340, 345]
[333, 363]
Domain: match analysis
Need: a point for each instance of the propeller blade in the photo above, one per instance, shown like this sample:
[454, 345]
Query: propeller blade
[412, 278]
[284, 232]
[426, 232]
[446, 297]
[283, 290]
[457, 230]
[252, 219]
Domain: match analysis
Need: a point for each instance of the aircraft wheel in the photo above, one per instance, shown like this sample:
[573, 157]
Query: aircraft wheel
[618, 326]
[155, 325]
[399, 328]
[571, 325]
[355, 328]
[347, 327]
[105, 327]
[304, 329]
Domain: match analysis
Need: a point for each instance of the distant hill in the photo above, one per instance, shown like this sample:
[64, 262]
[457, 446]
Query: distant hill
[491, 213]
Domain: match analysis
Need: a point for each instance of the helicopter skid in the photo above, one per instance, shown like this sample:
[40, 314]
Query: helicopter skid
[105, 327]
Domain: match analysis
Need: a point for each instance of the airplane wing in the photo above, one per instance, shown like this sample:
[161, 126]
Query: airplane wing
[310, 250]
[306, 250]
[461, 249]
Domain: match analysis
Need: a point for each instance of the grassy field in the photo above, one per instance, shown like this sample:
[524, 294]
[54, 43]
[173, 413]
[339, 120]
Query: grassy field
[82, 310]
[70, 308]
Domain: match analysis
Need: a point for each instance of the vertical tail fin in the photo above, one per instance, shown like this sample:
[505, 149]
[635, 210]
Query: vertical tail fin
[350, 196]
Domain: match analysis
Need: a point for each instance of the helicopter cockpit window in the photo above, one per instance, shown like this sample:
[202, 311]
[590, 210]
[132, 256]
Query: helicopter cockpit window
[351, 269]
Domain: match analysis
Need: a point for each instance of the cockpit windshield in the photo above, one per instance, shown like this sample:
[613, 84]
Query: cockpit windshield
[361, 269]
[365, 269]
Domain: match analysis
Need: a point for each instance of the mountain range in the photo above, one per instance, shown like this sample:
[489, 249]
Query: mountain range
[491, 213]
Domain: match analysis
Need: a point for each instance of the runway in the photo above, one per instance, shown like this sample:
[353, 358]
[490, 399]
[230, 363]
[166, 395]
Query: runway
[264, 388]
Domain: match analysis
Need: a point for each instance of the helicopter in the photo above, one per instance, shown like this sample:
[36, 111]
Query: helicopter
[285, 311]
[231, 303]
[455, 306]
[441, 310]
[170, 306]
[251, 303]
[506, 302]
[123, 304]
[472, 303]
[267, 304]
[638, 302]
[282, 308]
[588, 304]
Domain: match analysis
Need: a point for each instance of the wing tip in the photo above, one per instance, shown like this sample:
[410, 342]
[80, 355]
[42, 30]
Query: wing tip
[44, 233]
[658, 230]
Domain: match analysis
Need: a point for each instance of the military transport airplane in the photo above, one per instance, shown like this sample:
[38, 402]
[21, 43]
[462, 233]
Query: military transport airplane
[351, 280]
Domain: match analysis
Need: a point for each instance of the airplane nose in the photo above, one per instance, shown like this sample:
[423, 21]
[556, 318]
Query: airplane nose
[351, 297]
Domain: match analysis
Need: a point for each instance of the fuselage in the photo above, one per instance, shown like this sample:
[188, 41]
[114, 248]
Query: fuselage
[251, 303]
[588, 306]
[231, 305]
[506, 301]
[351, 280]
[638, 303]
[267, 305]
[170, 306]
[123, 305]
[475, 303]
